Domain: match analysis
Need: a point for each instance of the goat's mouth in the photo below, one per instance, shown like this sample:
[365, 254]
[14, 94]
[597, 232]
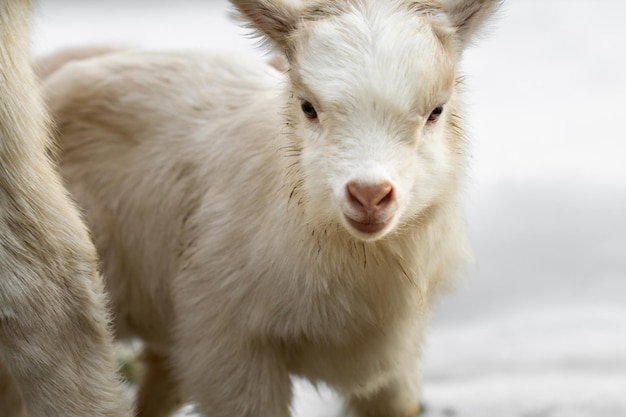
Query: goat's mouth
[369, 227]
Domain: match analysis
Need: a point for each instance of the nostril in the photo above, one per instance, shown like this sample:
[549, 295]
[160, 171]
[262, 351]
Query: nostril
[370, 196]
[387, 199]
[352, 195]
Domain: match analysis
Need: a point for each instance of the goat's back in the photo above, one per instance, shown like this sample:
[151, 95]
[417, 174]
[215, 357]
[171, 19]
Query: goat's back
[144, 138]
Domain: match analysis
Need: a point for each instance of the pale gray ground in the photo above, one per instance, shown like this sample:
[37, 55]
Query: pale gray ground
[538, 325]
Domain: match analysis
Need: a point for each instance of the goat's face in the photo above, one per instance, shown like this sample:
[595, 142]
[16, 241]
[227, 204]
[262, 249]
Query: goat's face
[373, 110]
[370, 92]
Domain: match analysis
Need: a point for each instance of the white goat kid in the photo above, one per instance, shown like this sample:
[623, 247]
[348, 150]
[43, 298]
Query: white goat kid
[254, 224]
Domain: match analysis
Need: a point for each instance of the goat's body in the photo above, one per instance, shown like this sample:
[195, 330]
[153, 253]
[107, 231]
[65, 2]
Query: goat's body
[208, 255]
[254, 224]
[55, 348]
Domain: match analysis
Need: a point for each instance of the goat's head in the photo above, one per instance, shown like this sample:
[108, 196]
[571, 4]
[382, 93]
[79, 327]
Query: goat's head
[374, 108]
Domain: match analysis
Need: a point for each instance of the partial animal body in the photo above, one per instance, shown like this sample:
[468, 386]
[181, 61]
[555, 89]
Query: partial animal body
[55, 347]
[254, 224]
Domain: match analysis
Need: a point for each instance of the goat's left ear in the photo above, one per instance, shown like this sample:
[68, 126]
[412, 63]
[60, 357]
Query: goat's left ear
[468, 16]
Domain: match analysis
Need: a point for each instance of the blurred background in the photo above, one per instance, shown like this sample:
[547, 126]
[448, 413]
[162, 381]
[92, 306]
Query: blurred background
[537, 326]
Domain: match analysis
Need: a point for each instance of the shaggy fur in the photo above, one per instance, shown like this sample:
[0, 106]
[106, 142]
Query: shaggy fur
[254, 224]
[55, 349]
[47, 65]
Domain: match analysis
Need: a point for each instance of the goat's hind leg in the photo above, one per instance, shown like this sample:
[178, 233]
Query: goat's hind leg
[11, 404]
[159, 394]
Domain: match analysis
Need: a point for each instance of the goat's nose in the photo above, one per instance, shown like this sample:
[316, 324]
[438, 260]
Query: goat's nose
[370, 197]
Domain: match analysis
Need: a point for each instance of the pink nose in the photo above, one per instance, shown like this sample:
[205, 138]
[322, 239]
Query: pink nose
[370, 198]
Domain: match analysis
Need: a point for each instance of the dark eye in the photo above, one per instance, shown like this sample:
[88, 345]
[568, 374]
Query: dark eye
[435, 114]
[308, 110]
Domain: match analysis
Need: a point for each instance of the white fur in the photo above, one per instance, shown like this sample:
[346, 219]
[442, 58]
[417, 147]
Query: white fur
[219, 209]
[56, 354]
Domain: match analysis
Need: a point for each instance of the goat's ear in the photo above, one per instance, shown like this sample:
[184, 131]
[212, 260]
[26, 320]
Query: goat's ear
[468, 16]
[273, 19]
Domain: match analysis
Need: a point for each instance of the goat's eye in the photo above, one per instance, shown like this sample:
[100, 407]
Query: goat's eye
[308, 110]
[435, 114]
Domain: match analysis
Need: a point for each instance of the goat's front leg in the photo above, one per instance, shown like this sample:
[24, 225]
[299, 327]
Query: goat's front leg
[400, 395]
[399, 398]
[230, 377]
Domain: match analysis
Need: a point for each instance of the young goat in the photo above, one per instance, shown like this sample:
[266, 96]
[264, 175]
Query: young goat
[254, 224]
[55, 348]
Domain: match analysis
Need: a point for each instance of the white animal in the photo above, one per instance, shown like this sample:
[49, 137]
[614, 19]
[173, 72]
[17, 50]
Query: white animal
[254, 224]
[56, 355]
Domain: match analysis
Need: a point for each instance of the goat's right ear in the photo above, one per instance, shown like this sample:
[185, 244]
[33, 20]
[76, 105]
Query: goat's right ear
[273, 19]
